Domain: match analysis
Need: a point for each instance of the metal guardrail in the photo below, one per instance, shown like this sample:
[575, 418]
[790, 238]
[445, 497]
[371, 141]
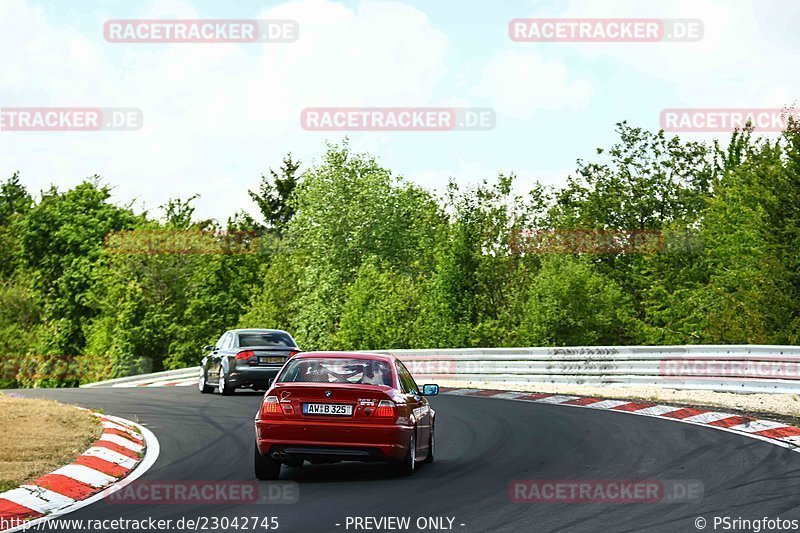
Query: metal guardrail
[732, 368]
[155, 376]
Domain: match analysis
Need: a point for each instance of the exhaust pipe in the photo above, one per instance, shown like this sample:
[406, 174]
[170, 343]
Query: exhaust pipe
[279, 454]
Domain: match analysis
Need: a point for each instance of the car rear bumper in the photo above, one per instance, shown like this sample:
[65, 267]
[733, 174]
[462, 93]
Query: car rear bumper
[340, 441]
[251, 375]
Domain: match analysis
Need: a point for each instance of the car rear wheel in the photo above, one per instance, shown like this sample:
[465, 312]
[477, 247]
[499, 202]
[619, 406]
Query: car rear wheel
[204, 388]
[223, 387]
[408, 464]
[266, 467]
[431, 442]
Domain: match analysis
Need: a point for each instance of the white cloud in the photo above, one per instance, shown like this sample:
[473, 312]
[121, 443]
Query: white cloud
[217, 115]
[214, 115]
[520, 83]
[739, 62]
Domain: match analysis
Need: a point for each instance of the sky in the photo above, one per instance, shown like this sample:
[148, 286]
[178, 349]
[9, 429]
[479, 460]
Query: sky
[217, 116]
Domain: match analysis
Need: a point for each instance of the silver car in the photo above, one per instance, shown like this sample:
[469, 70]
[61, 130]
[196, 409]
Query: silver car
[245, 358]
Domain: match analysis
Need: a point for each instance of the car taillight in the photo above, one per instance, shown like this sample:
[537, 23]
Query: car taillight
[293, 353]
[243, 356]
[385, 408]
[271, 406]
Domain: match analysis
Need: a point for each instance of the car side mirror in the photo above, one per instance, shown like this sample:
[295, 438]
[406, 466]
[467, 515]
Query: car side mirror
[430, 390]
[270, 381]
[209, 347]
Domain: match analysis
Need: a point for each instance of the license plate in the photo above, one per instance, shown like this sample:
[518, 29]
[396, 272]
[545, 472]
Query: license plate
[327, 409]
[271, 359]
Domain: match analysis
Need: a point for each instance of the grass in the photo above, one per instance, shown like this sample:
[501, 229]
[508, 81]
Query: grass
[38, 436]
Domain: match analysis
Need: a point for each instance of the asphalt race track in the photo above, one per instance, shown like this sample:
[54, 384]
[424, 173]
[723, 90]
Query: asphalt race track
[482, 445]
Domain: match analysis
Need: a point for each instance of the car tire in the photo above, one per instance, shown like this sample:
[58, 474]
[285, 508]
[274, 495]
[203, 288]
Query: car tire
[266, 468]
[408, 464]
[201, 384]
[223, 387]
[431, 442]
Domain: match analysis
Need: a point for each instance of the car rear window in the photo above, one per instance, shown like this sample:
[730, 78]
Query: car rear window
[269, 338]
[356, 371]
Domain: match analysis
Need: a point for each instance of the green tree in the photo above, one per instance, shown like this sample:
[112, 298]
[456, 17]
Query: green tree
[274, 302]
[750, 234]
[61, 241]
[15, 203]
[380, 310]
[569, 303]
[20, 328]
[274, 195]
[14, 199]
[349, 208]
[475, 275]
[158, 307]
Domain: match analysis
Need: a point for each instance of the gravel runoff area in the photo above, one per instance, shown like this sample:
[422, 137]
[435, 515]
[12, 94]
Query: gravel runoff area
[784, 405]
[38, 436]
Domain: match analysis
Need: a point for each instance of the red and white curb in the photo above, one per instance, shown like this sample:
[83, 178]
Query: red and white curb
[124, 451]
[776, 433]
[183, 382]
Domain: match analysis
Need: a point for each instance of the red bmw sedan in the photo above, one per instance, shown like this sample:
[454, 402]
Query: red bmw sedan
[326, 407]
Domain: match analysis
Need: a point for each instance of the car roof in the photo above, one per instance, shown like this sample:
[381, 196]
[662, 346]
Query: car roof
[257, 330]
[346, 355]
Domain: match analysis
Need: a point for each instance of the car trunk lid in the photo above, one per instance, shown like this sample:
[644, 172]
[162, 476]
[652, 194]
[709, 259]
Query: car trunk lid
[274, 356]
[360, 401]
